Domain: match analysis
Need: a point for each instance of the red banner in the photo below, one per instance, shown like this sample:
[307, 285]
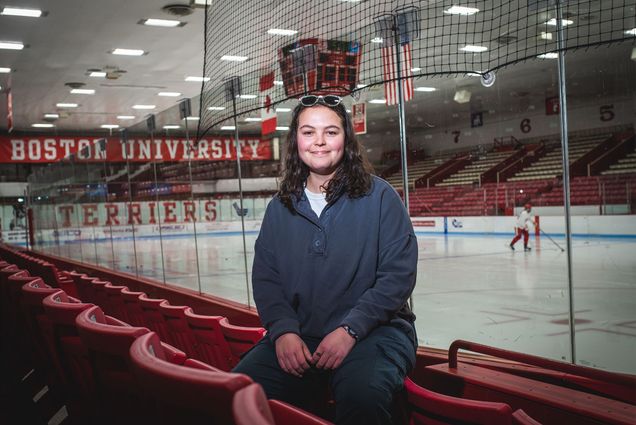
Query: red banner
[359, 118]
[95, 149]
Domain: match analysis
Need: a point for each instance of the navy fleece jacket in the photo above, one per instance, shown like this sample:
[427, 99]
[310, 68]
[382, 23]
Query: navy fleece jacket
[355, 265]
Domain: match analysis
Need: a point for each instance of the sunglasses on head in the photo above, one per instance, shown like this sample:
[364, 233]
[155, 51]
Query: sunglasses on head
[330, 100]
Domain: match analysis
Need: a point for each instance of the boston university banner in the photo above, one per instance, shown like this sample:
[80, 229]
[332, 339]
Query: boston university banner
[95, 149]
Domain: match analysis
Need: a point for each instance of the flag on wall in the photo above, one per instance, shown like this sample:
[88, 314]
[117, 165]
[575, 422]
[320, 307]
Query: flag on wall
[9, 111]
[390, 74]
[268, 113]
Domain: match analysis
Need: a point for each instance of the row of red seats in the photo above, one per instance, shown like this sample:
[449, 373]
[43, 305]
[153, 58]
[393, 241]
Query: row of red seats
[168, 364]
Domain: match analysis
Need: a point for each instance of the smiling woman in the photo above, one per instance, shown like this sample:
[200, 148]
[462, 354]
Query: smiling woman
[333, 269]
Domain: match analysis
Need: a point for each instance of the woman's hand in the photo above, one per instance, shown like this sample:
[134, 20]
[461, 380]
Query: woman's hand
[333, 349]
[293, 355]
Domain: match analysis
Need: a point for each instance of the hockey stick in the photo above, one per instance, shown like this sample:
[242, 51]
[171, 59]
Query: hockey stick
[551, 240]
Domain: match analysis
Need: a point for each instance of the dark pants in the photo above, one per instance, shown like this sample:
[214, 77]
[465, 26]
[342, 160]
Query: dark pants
[362, 387]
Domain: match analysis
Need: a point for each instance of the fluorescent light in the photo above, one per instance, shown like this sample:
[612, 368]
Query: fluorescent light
[564, 22]
[252, 119]
[170, 23]
[11, 45]
[197, 79]
[282, 128]
[169, 94]
[192, 118]
[97, 74]
[549, 55]
[82, 91]
[461, 10]
[278, 83]
[234, 58]
[546, 35]
[5, 70]
[416, 69]
[43, 125]
[377, 101]
[66, 105]
[283, 109]
[351, 1]
[109, 126]
[247, 96]
[125, 117]
[15, 11]
[361, 86]
[128, 52]
[631, 32]
[171, 127]
[228, 127]
[144, 107]
[276, 31]
[377, 40]
[473, 49]
[216, 108]
[53, 116]
[425, 89]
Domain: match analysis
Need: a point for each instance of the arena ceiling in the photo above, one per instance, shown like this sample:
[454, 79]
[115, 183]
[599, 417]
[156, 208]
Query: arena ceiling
[76, 37]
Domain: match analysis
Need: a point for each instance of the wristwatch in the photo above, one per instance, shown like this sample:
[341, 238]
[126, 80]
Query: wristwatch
[350, 331]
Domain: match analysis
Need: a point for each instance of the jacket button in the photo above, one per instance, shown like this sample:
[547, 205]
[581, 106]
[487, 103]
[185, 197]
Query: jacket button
[317, 243]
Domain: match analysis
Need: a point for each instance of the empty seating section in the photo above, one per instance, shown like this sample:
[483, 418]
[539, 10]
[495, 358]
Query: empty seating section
[626, 164]
[163, 363]
[416, 170]
[472, 173]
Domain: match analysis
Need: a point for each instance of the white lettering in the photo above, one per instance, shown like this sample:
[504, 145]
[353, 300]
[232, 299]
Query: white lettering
[17, 149]
[217, 150]
[158, 154]
[49, 149]
[187, 149]
[254, 145]
[34, 150]
[172, 148]
[203, 149]
[84, 149]
[228, 153]
[67, 144]
[144, 149]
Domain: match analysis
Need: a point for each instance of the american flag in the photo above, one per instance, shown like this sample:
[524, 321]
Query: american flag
[390, 74]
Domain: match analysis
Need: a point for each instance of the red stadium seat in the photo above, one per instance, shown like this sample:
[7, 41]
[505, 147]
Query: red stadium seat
[211, 346]
[116, 301]
[240, 338]
[153, 317]
[429, 407]
[108, 342]
[519, 417]
[251, 407]
[184, 395]
[68, 354]
[179, 332]
[134, 312]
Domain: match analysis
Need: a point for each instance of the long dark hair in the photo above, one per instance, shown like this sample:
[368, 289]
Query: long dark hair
[353, 175]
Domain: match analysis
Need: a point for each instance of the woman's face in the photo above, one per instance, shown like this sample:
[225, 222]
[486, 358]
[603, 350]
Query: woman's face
[321, 139]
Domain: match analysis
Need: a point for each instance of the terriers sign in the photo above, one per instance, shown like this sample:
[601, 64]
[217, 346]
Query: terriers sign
[52, 149]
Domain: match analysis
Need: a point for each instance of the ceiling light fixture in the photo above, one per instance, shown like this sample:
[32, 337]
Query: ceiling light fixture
[473, 49]
[166, 23]
[564, 22]
[171, 127]
[546, 35]
[125, 117]
[144, 107]
[462, 96]
[631, 32]
[109, 126]
[232, 58]
[461, 10]
[282, 128]
[377, 40]
[247, 96]
[128, 52]
[43, 125]
[416, 69]
[11, 45]
[549, 55]
[283, 109]
[425, 89]
[169, 94]
[277, 31]
[82, 91]
[5, 70]
[228, 127]
[377, 101]
[216, 108]
[278, 83]
[52, 116]
[197, 79]
[97, 74]
[191, 118]
[252, 119]
[17, 11]
[66, 105]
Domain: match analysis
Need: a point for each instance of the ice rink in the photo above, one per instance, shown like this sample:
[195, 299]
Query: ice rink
[468, 287]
